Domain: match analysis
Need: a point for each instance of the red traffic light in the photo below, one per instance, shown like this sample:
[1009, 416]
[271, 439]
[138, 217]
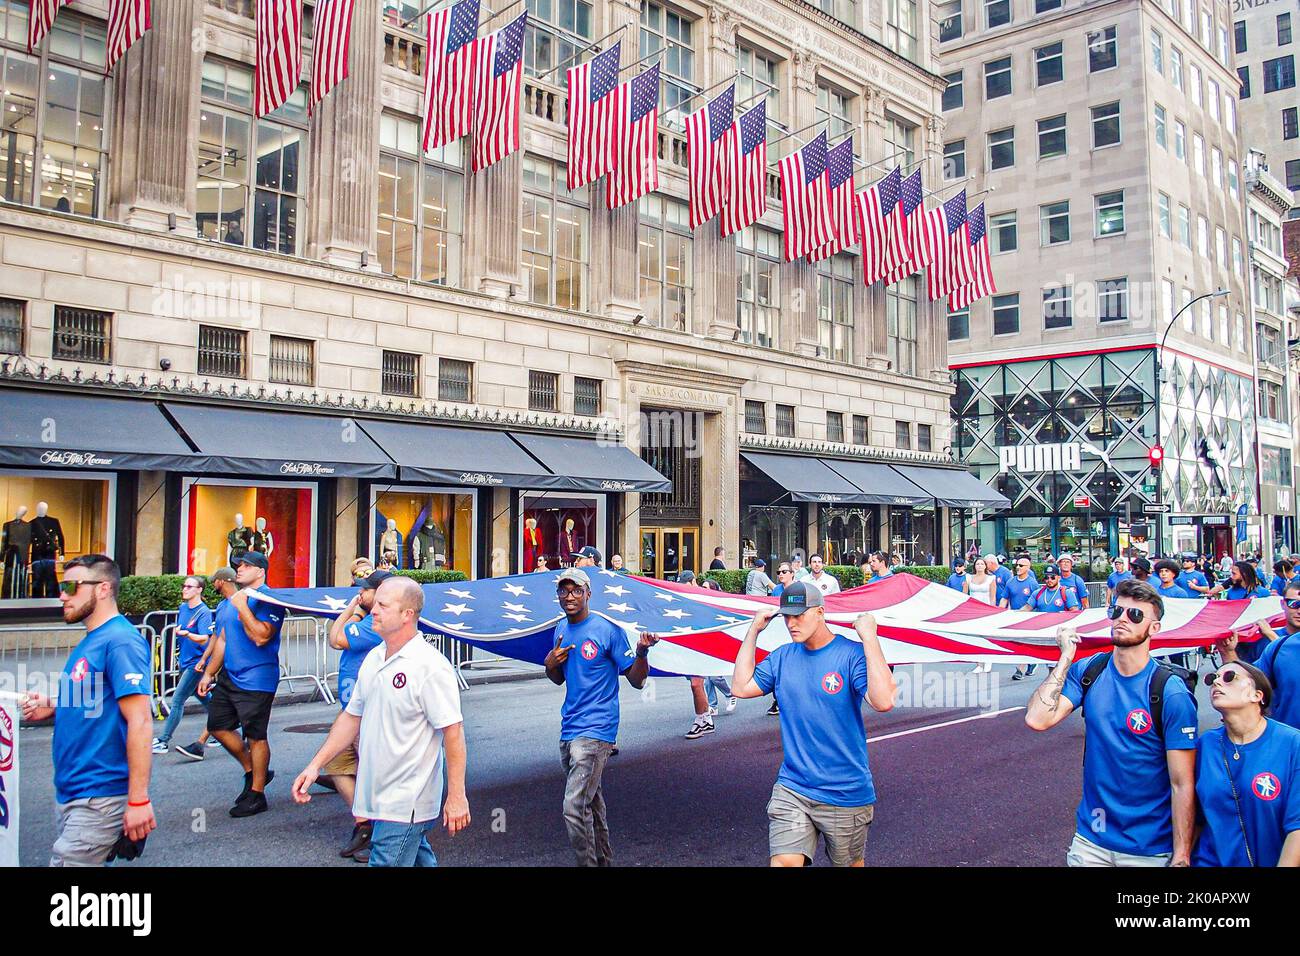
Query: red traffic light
[1155, 455]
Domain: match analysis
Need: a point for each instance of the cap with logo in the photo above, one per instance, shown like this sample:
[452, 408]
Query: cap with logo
[375, 579]
[1051, 571]
[587, 552]
[576, 575]
[223, 574]
[256, 558]
[799, 597]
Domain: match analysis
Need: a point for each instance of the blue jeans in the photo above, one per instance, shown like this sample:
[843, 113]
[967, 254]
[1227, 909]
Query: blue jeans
[711, 687]
[401, 844]
[185, 687]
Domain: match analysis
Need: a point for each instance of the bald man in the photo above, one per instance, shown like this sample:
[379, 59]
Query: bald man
[404, 712]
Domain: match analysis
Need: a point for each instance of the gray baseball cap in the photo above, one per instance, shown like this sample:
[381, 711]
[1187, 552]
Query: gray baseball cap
[576, 575]
[799, 597]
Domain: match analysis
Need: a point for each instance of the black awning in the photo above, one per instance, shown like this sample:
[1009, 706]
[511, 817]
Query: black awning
[879, 483]
[585, 464]
[459, 456]
[808, 479]
[953, 487]
[294, 445]
[86, 432]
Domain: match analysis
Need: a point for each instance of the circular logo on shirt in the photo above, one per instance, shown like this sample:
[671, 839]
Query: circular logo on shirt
[1265, 785]
[399, 680]
[80, 670]
[589, 650]
[6, 741]
[1139, 721]
[832, 683]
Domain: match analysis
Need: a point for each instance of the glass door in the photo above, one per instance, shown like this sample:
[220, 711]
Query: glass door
[666, 552]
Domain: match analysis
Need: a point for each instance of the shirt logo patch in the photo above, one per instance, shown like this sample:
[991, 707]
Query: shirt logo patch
[80, 670]
[832, 683]
[589, 650]
[399, 680]
[1266, 786]
[1139, 721]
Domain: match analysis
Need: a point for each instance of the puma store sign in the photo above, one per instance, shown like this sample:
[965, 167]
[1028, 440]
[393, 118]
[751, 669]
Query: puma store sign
[1035, 459]
[76, 459]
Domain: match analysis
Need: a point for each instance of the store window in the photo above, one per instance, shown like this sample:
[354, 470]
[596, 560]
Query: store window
[554, 236]
[225, 518]
[758, 293]
[665, 259]
[423, 529]
[900, 319]
[845, 534]
[756, 74]
[559, 525]
[666, 31]
[49, 519]
[770, 532]
[421, 205]
[911, 535]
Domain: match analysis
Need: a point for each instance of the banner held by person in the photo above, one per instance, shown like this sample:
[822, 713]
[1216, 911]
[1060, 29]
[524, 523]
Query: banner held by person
[9, 718]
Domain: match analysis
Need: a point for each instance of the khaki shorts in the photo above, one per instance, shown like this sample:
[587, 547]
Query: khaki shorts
[343, 765]
[794, 822]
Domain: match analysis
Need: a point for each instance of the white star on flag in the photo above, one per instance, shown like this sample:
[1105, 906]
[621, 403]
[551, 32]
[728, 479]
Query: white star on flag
[333, 603]
[608, 573]
[457, 609]
[514, 607]
[677, 613]
[515, 590]
[517, 617]
[621, 608]
[455, 626]
[460, 593]
[731, 620]
[666, 597]
[681, 629]
[616, 589]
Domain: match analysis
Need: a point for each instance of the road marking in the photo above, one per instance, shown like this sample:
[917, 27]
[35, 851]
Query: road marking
[946, 723]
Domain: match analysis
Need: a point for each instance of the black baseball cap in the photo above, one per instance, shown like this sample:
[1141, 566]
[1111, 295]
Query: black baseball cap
[375, 579]
[588, 552]
[1141, 564]
[256, 558]
[799, 597]
[1051, 571]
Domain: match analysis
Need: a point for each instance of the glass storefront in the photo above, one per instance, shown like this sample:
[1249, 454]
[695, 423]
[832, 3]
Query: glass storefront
[558, 525]
[911, 535]
[770, 532]
[423, 528]
[48, 519]
[226, 518]
[846, 532]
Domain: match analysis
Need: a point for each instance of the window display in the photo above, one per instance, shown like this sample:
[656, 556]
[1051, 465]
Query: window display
[557, 526]
[424, 529]
[846, 533]
[53, 519]
[216, 531]
[911, 535]
[770, 532]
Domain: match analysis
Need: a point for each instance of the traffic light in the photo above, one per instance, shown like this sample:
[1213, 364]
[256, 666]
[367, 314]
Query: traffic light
[1156, 456]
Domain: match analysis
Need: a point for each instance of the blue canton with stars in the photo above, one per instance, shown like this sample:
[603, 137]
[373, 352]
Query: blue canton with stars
[753, 128]
[509, 47]
[954, 211]
[604, 72]
[722, 109]
[645, 93]
[464, 25]
[840, 163]
[889, 188]
[911, 193]
[976, 220]
[814, 158]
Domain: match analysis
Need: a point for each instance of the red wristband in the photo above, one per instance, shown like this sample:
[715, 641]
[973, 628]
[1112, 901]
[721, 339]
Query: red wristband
[144, 804]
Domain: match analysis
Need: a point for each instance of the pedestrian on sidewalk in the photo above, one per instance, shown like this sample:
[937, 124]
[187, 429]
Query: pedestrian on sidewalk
[194, 626]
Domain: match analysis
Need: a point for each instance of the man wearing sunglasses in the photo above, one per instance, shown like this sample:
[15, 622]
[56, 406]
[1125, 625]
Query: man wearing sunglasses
[1138, 806]
[1052, 595]
[784, 578]
[102, 721]
[193, 632]
[1190, 579]
[1280, 660]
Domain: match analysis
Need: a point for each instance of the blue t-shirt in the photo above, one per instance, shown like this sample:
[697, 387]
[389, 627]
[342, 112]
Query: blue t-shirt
[1020, 594]
[1191, 577]
[1280, 662]
[196, 620]
[601, 652]
[1053, 599]
[1267, 780]
[825, 745]
[1075, 583]
[1172, 591]
[1112, 582]
[778, 590]
[1005, 578]
[1236, 592]
[1126, 789]
[957, 582]
[111, 662]
[248, 666]
[1278, 585]
[880, 577]
[362, 639]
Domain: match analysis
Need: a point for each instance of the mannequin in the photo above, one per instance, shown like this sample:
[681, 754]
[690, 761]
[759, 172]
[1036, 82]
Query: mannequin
[47, 548]
[239, 541]
[532, 545]
[428, 546]
[391, 540]
[570, 542]
[262, 540]
[15, 542]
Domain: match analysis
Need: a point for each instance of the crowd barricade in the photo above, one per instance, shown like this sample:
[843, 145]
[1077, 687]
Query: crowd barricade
[304, 653]
[1096, 593]
[32, 652]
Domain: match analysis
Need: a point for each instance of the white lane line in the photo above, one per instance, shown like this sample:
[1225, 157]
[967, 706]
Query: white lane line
[946, 723]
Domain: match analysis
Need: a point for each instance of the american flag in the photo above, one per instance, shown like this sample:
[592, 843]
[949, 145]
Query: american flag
[279, 53]
[700, 630]
[449, 73]
[744, 174]
[945, 233]
[329, 55]
[592, 129]
[127, 22]
[982, 284]
[839, 170]
[805, 199]
[636, 157]
[879, 226]
[908, 254]
[40, 20]
[496, 100]
[709, 131]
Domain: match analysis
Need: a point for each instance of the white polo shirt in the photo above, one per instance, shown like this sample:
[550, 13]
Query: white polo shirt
[826, 583]
[403, 701]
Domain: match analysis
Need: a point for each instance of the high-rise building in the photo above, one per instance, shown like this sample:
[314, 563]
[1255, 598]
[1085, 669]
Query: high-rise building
[1265, 51]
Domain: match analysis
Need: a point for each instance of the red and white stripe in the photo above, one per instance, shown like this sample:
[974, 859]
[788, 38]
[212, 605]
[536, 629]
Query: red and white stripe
[40, 20]
[873, 234]
[279, 53]
[330, 48]
[982, 283]
[127, 22]
[844, 230]
[592, 128]
[636, 150]
[805, 208]
[744, 182]
[448, 84]
[705, 166]
[496, 104]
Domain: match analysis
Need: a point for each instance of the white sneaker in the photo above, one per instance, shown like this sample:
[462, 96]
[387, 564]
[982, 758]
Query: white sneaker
[159, 747]
[731, 705]
[214, 742]
[700, 727]
[713, 711]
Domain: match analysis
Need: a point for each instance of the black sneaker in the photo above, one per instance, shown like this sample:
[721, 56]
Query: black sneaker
[360, 840]
[248, 783]
[250, 805]
[362, 855]
[193, 751]
[774, 710]
[699, 728]
[1017, 676]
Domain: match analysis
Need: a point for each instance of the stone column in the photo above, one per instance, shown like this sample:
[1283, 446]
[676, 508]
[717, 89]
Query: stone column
[346, 547]
[155, 124]
[799, 315]
[716, 271]
[874, 334]
[342, 169]
[494, 248]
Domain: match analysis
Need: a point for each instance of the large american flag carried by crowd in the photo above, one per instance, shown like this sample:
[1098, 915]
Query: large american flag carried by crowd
[700, 630]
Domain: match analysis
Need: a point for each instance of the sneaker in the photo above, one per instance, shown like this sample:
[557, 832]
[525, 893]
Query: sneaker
[699, 728]
[248, 783]
[362, 855]
[731, 705]
[360, 840]
[250, 805]
[213, 742]
[160, 746]
[774, 710]
[1017, 676]
[713, 711]
[193, 752]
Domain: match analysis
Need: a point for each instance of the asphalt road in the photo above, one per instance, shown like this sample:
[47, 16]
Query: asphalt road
[957, 785]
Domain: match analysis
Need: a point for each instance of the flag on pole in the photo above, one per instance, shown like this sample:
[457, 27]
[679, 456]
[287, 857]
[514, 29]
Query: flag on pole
[744, 172]
[945, 233]
[592, 132]
[636, 157]
[279, 53]
[982, 284]
[330, 48]
[709, 131]
[839, 171]
[127, 22]
[496, 98]
[805, 198]
[40, 20]
[907, 254]
[449, 73]
[879, 226]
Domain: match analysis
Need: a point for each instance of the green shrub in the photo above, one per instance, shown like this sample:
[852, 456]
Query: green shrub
[440, 576]
[731, 580]
[141, 594]
[930, 572]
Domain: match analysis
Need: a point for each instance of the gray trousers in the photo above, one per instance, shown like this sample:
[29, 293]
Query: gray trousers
[87, 830]
[584, 759]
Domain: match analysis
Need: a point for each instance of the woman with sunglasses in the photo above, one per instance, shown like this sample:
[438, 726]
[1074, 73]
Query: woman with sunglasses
[1247, 777]
[1243, 583]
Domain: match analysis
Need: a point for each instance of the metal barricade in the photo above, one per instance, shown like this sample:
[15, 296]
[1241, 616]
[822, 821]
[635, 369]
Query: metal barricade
[33, 657]
[304, 653]
[1096, 593]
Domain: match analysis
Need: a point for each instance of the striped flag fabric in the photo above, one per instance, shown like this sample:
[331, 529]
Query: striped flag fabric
[496, 96]
[636, 156]
[709, 131]
[907, 254]
[592, 86]
[279, 53]
[449, 73]
[839, 171]
[40, 20]
[330, 48]
[127, 22]
[982, 284]
[879, 228]
[805, 199]
[945, 233]
[744, 172]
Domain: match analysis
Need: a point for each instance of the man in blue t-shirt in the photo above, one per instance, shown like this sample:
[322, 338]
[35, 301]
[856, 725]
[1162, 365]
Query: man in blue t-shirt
[194, 627]
[1191, 580]
[1167, 572]
[1053, 595]
[1279, 660]
[878, 565]
[957, 580]
[1071, 581]
[102, 721]
[1121, 573]
[589, 717]
[247, 654]
[824, 785]
[1004, 575]
[1138, 806]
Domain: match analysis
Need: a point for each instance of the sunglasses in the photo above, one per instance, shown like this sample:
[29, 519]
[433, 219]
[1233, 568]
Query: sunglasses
[70, 587]
[1135, 614]
[1293, 604]
[1227, 677]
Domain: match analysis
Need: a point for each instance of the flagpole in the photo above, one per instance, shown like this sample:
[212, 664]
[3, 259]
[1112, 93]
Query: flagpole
[642, 60]
[958, 182]
[580, 52]
[406, 24]
[682, 104]
[509, 6]
[758, 95]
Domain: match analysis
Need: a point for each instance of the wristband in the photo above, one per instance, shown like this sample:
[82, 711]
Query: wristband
[642, 653]
[144, 804]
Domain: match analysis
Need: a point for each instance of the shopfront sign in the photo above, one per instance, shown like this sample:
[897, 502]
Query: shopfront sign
[480, 478]
[306, 468]
[76, 459]
[1036, 459]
